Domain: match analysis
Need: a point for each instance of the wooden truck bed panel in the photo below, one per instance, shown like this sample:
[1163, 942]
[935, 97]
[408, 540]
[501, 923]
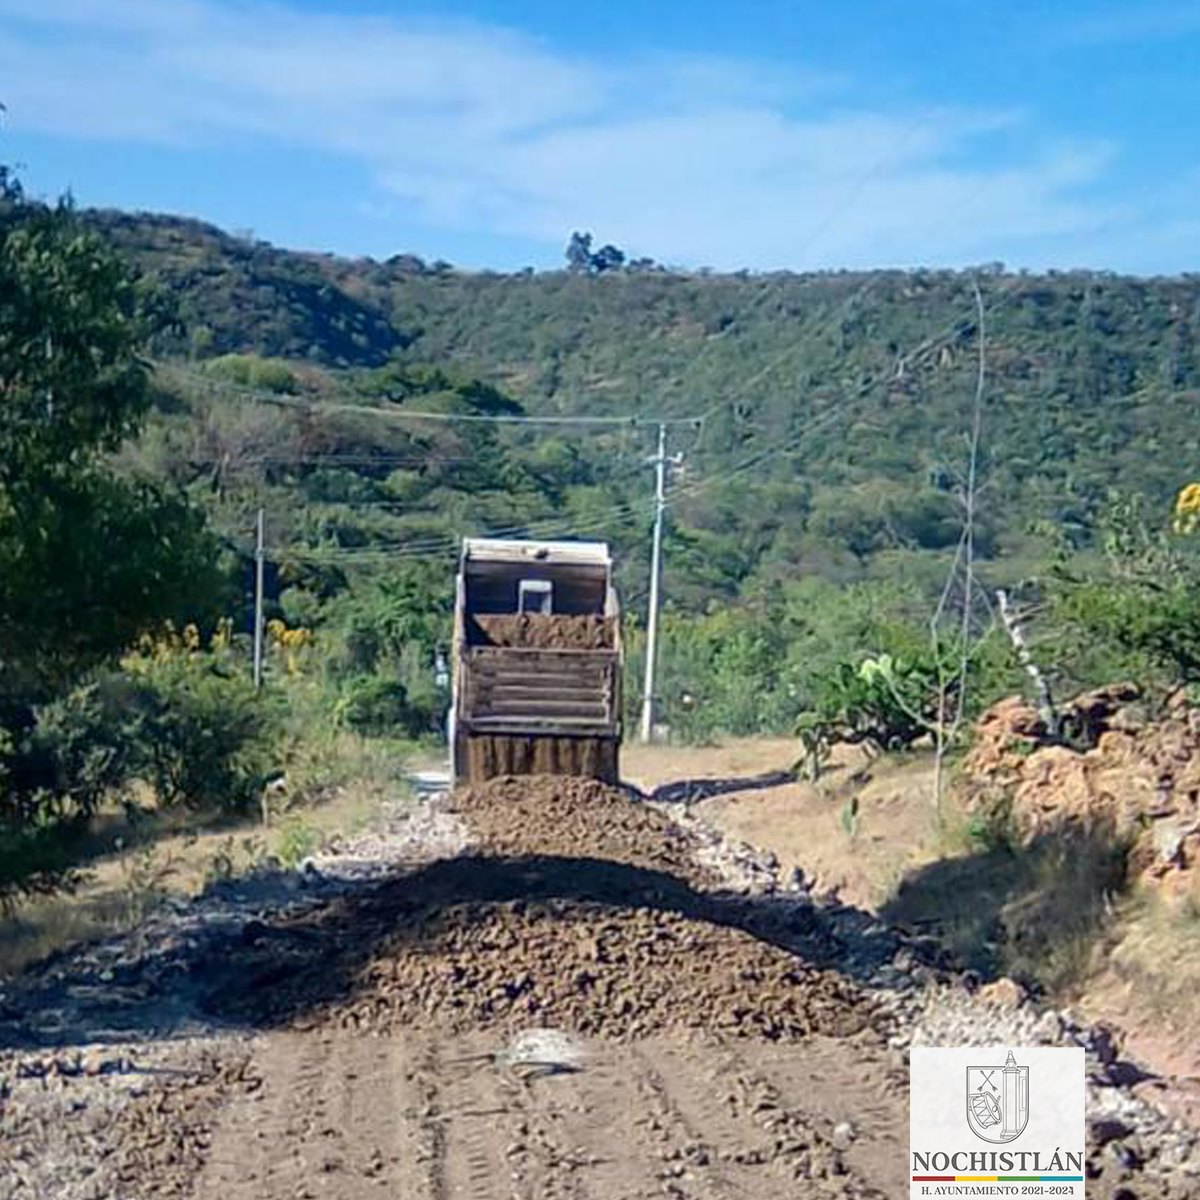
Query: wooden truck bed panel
[516, 690]
[484, 756]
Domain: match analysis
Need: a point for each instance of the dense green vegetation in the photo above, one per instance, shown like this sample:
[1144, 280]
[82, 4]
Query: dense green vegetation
[830, 454]
[367, 409]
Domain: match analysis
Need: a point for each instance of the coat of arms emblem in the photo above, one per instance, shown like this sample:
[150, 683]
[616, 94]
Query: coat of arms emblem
[998, 1100]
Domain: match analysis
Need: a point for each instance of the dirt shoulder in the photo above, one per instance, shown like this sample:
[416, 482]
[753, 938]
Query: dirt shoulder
[744, 788]
[1132, 966]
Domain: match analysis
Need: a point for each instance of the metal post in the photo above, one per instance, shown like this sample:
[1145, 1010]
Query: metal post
[660, 498]
[259, 555]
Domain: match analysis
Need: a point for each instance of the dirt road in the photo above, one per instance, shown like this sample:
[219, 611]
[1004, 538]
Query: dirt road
[345, 1117]
[568, 994]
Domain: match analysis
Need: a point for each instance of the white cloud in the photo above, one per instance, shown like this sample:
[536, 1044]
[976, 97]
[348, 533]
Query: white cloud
[696, 160]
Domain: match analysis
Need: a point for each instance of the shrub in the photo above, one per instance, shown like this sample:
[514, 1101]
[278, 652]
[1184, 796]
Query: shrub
[209, 739]
[1154, 621]
[374, 704]
[891, 701]
[248, 370]
[1141, 616]
[84, 746]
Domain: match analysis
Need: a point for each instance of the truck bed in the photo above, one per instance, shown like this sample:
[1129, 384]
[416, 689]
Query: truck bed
[538, 691]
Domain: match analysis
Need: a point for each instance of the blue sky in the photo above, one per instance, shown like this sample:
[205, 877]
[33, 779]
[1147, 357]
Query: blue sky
[765, 134]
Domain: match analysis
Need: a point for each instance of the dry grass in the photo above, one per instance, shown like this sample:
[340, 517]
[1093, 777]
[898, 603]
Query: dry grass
[1157, 954]
[130, 869]
[1037, 910]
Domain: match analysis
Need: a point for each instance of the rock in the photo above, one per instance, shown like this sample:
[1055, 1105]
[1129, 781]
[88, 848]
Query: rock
[1116, 745]
[1101, 1042]
[1049, 1028]
[94, 1062]
[1129, 1157]
[1004, 993]
[1129, 718]
[844, 1134]
[1124, 1074]
[1108, 1129]
[253, 931]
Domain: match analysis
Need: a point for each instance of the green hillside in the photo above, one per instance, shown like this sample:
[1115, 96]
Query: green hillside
[828, 450]
[833, 405]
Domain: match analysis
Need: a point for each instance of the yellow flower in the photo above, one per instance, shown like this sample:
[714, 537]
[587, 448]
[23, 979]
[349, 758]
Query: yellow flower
[1187, 508]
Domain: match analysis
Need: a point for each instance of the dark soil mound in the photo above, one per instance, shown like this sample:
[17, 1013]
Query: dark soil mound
[571, 818]
[620, 973]
[584, 909]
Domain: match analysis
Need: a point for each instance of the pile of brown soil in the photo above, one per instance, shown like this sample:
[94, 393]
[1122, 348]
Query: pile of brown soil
[548, 631]
[572, 818]
[614, 972]
[585, 909]
[615, 933]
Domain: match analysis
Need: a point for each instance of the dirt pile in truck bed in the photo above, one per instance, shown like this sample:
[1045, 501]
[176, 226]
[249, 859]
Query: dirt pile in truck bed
[494, 756]
[577, 818]
[548, 631]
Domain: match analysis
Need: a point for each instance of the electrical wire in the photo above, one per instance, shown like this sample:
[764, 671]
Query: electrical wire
[580, 420]
[542, 528]
[954, 330]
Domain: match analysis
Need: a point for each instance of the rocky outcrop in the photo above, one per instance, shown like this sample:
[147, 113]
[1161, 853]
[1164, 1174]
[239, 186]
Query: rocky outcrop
[1119, 764]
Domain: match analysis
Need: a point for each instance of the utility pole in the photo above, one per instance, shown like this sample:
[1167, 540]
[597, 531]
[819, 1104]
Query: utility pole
[660, 503]
[259, 556]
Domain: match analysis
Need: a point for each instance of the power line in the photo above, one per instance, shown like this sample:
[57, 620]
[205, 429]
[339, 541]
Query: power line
[432, 544]
[583, 420]
[366, 460]
[955, 329]
[787, 353]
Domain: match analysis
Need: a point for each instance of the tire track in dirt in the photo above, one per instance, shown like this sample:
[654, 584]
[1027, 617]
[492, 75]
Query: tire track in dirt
[781, 1137]
[851, 1087]
[686, 1164]
[324, 1124]
[422, 1133]
[481, 1153]
[557, 1122]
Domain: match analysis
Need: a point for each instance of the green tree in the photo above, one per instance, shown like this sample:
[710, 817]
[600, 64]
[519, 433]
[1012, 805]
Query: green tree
[579, 253]
[87, 558]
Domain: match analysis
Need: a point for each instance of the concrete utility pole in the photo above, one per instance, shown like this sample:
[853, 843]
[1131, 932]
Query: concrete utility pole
[259, 556]
[660, 462]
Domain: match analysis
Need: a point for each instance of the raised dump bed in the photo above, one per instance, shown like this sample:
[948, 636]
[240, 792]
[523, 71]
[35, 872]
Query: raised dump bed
[537, 661]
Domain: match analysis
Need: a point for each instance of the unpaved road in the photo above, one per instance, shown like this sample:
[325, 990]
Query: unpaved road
[364, 1029]
[427, 1118]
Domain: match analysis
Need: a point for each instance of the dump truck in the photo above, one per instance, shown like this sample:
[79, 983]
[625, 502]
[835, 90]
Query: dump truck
[536, 663]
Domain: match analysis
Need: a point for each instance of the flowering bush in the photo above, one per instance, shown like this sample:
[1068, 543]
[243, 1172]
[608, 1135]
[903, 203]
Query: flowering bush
[209, 740]
[1142, 615]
